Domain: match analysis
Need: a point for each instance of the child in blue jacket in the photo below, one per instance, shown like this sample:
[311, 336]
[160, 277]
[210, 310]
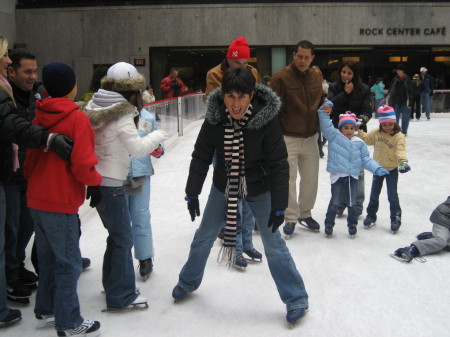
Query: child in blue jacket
[346, 156]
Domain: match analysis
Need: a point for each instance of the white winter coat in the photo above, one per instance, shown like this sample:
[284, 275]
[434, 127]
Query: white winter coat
[116, 136]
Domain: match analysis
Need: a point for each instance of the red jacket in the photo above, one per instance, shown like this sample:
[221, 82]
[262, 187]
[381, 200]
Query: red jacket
[168, 91]
[55, 185]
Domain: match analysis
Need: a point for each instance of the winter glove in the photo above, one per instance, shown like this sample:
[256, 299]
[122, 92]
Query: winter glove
[175, 85]
[193, 206]
[61, 145]
[276, 219]
[362, 120]
[94, 193]
[158, 152]
[404, 167]
[381, 172]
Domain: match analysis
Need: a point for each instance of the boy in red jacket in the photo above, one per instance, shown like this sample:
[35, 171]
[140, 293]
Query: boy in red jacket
[56, 190]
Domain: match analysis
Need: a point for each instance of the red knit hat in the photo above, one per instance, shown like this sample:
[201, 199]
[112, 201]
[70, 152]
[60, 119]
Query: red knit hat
[239, 49]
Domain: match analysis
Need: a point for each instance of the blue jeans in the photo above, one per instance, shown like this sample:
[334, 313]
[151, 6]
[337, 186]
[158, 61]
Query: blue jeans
[343, 190]
[139, 206]
[118, 272]
[282, 267]
[57, 241]
[405, 112]
[19, 228]
[360, 196]
[4, 310]
[244, 239]
[391, 184]
[425, 101]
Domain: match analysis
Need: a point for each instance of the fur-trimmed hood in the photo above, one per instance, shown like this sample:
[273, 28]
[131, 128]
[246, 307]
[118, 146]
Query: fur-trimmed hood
[107, 106]
[123, 84]
[265, 102]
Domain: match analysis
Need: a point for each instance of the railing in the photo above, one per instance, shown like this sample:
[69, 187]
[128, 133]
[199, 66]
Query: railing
[440, 101]
[173, 115]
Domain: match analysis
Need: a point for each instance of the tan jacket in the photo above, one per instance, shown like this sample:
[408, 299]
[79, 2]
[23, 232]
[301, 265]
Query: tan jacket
[301, 94]
[389, 151]
[214, 77]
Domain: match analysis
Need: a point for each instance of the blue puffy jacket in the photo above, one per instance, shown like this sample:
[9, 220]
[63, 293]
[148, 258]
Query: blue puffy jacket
[344, 155]
[142, 166]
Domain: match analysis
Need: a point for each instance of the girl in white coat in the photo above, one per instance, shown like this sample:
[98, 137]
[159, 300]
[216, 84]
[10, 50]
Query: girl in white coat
[114, 113]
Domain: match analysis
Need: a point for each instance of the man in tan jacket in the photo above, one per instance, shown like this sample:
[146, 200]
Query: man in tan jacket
[300, 89]
[237, 56]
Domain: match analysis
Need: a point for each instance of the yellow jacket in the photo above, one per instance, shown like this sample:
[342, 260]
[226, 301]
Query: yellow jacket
[389, 151]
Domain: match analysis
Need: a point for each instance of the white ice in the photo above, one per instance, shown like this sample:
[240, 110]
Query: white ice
[355, 288]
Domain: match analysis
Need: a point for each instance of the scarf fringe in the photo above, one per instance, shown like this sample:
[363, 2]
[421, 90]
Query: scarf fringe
[227, 256]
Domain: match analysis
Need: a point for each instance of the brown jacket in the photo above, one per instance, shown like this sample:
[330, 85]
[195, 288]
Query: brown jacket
[214, 77]
[301, 94]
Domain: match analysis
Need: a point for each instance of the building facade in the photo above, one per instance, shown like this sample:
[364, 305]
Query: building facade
[194, 37]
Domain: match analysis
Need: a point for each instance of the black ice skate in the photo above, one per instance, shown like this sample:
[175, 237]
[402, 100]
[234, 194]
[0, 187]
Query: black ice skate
[140, 303]
[395, 224]
[294, 316]
[288, 229]
[328, 231]
[18, 292]
[254, 255]
[368, 222]
[309, 223]
[178, 294]
[145, 268]
[407, 254]
[240, 263]
[13, 317]
[352, 231]
[424, 236]
[87, 328]
[28, 278]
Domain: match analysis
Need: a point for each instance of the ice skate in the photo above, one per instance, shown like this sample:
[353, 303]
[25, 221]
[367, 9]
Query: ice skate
[368, 222]
[44, 321]
[254, 255]
[140, 303]
[13, 317]
[28, 278]
[288, 229]
[395, 224]
[309, 223]
[294, 316]
[145, 268]
[178, 294]
[18, 292]
[87, 329]
[240, 263]
[328, 231]
[85, 263]
[406, 254]
[352, 231]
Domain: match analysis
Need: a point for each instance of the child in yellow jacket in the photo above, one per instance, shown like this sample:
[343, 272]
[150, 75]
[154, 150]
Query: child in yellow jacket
[390, 152]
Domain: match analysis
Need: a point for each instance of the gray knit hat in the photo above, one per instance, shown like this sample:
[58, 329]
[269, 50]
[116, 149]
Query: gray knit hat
[123, 76]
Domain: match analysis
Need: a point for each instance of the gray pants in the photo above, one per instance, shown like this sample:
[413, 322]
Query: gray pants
[440, 240]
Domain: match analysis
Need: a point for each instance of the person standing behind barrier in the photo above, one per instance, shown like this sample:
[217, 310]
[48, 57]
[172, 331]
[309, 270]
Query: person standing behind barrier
[237, 56]
[418, 87]
[172, 86]
[113, 111]
[149, 97]
[300, 89]
[427, 91]
[378, 90]
[349, 93]
[400, 97]
[137, 189]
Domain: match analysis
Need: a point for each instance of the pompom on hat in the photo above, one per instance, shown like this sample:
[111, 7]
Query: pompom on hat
[386, 114]
[123, 76]
[59, 79]
[239, 49]
[347, 118]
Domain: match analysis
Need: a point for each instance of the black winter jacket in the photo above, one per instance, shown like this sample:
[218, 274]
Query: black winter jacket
[266, 166]
[360, 104]
[441, 215]
[15, 129]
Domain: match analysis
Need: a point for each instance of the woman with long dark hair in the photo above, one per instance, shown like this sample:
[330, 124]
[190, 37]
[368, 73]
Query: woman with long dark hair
[349, 93]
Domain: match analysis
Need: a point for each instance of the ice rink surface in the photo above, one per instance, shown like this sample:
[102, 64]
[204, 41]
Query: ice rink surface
[355, 288]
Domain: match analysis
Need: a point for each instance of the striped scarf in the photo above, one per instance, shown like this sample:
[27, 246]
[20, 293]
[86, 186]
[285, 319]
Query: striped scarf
[236, 186]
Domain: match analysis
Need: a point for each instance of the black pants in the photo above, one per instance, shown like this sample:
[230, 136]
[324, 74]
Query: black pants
[415, 106]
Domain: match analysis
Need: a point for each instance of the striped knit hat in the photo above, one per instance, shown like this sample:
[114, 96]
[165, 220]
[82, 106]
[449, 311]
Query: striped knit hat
[386, 114]
[347, 118]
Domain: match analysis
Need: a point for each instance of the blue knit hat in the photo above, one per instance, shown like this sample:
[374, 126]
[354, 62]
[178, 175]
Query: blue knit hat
[386, 114]
[347, 118]
[59, 79]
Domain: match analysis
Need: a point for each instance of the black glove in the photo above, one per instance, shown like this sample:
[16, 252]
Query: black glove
[276, 219]
[94, 193]
[175, 85]
[61, 145]
[193, 205]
